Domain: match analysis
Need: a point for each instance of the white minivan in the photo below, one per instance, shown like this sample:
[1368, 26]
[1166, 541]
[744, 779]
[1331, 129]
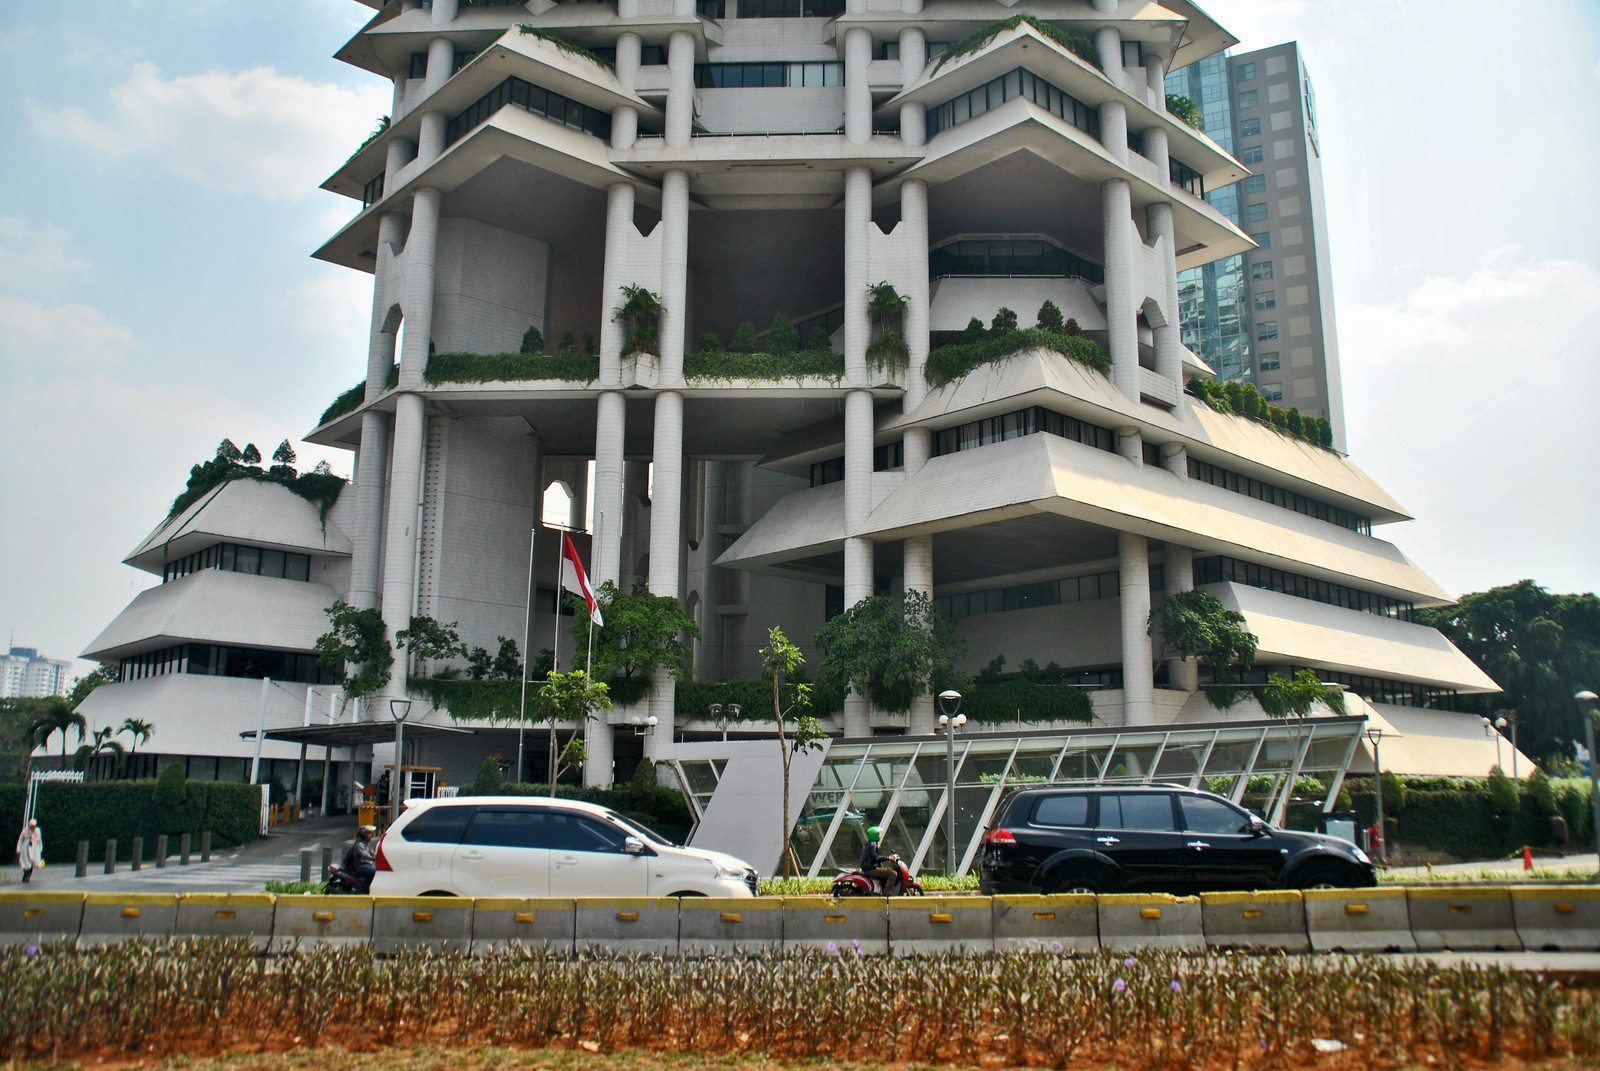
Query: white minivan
[536, 846]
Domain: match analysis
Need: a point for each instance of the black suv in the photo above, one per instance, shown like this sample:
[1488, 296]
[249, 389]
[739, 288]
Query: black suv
[1154, 839]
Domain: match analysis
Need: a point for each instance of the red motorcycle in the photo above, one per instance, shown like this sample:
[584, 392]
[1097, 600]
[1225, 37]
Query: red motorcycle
[857, 883]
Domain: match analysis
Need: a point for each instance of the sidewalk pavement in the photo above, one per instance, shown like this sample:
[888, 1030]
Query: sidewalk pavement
[275, 857]
[1582, 868]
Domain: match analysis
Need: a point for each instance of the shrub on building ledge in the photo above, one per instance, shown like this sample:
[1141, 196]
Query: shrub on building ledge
[565, 46]
[319, 486]
[640, 312]
[728, 365]
[950, 362]
[1184, 109]
[352, 399]
[1244, 400]
[567, 365]
[1081, 47]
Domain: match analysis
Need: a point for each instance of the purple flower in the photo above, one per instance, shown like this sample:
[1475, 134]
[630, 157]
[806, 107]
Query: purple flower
[1119, 986]
[856, 943]
[31, 950]
[1058, 946]
[1128, 962]
[1177, 986]
[832, 947]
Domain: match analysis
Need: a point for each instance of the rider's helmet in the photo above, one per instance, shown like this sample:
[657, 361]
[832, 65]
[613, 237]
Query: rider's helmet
[366, 832]
[874, 834]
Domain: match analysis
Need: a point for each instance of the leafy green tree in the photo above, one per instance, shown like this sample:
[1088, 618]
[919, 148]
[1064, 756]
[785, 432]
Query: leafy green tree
[890, 649]
[818, 341]
[569, 344]
[489, 781]
[478, 663]
[356, 641]
[1286, 696]
[226, 451]
[782, 336]
[642, 633]
[1186, 110]
[1004, 320]
[426, 640]
[1195, 625]
[570, 697]
[744, 338]
[782, 660]
[102, 742]
[172, 787]
[104, 673]
[1050, 316]
[139, 729]
[251, 455]
[710, 342]
[507, 664]
[532, 341]
[55, 715]
[1537, 646]
[974, 331]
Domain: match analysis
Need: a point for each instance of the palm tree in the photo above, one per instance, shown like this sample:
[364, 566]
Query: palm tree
[103, 741]
[57, 716]
[142, 731]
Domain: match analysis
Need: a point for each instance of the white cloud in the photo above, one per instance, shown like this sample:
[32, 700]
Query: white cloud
[30, 252]
[1471, 400]
[40, 342]
[254, 131]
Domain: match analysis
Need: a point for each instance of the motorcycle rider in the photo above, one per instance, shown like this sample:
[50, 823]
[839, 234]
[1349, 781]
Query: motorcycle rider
[359, 857]
[881, 867]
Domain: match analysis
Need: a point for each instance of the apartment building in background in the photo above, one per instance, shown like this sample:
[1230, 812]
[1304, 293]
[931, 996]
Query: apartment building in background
[25, 674]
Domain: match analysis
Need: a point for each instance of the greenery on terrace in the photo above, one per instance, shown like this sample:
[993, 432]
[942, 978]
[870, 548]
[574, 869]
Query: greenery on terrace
[319, 486]
[978, 345]
[566, 46]
[351, 400]
[1243, 399]
[1081, 47]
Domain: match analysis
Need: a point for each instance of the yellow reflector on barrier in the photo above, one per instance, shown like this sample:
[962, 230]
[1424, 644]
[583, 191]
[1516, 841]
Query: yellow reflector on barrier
[1149, 912]
[32, 912]
[523, 916]
[1355, 909]
[130, 912]
[627, 916]
[732, 916]
[940, 917]
[1252, 913]
[833, 918]
[422, 916]
[322, 916]
[1565, 909]
[1043, 916]
[1460, 909]
[227, 914]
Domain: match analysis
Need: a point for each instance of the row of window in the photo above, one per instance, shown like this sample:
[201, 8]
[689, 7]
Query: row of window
[1218, 570]
[767, 75]
[237, 558]
[1010, 256]
[212, 660]
[536, 99]
[1206, 472]
[1185, 177]
[787, 9]
[372, 192]
[1017, 83]
[885, 457]
[1043, 593]
[1031, 421]
[419, 63]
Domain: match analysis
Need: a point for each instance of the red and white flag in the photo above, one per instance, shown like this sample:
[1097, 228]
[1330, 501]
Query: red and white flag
[574, 579]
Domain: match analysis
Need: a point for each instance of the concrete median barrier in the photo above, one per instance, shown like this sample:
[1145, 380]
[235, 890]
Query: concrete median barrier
[109, 917]
[713, 926]
[1563, 918]
[500, 923]
[856, 924]
[922, 924]
[439, 923]
[644, 925]
[246, 915]
[1131, 921]
[1274, 919]
[1358, 920]
[1464, 918]
[33, 918]
[1061, 923]
[313, 921]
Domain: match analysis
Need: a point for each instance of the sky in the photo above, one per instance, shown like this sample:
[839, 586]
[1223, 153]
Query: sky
[159, 203]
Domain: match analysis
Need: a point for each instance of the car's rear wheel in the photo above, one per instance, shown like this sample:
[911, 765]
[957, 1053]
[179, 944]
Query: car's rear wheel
[680, 894]
[1318, 876]
[1081, 881]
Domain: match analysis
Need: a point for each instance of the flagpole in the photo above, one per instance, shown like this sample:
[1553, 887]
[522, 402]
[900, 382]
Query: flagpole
[555, 647]
[527, 621]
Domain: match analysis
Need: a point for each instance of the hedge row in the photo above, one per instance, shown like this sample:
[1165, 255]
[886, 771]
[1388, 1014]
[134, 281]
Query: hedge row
[100, 810]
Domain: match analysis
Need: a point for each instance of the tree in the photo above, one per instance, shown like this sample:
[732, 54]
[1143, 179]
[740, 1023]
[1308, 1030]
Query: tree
[642, 633]
[890, 649]
[1537, 646]
[710, 342]
[426, 640]
[102, 742]
[251, 455]
[356, 642]
[1195, 625]
[1050, 316]
[1286, 696]
[141, 731]
[782, 337]
[532, 341]
[974, 331]
[570, 697]
[489, 781]
[1005, 320]
[56, 716]
[105, 673]
[507, 665]
[818, 341]
[781, 660]
[744, 338]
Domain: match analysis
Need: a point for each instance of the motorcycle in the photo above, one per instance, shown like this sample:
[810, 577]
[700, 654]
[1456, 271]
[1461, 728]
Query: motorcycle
[342, 882]
[857, 883]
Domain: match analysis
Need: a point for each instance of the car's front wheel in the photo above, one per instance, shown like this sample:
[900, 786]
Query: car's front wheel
[1081, 881]
[1322, 876]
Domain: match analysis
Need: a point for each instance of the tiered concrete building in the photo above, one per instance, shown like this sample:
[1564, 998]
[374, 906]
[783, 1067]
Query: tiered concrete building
[741, 159]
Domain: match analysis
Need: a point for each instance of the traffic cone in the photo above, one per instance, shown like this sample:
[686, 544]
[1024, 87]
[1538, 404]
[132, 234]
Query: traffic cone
[1527, 858]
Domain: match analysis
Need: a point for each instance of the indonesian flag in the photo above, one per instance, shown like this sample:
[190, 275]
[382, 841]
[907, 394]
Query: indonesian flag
[574, 580]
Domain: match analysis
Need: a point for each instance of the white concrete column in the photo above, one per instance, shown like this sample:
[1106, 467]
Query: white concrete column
[380, 336]
[627, 9]
[674, 276]
[1167, 341]
[683, 9]
[666, 543]
[1156, 151]
[1130, 444]
[913, 54]
[1155, 77]
[401, 152]
[918, 573]
[1175, 459]
[619, 234]
[914, 123]
[367, 547]
[1116, 209]
[914, 218]
[422, 246]
[857, 550]
[1114, 129]
[1183, 674]
[1138, 684]
[911, 7]
[441, 64]
[629, 47]
[444, 12]
[857, 94]
[680, 89]
[1108, 46]
[857, 222]
[610, 424]
[400, 543]
[430, 137]
[624, 119]
[600, 745]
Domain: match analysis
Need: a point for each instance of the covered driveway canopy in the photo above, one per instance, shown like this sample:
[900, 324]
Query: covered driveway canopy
[355, 734]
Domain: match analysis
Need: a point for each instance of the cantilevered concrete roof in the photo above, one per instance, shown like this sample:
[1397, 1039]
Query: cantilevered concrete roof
[210, 606]
[256, 512]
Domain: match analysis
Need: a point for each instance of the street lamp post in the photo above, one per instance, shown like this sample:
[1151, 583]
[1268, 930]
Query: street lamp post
[399, 710]
[1587, 699]
[1494, 727]
[1500, 719]
[1376, 735]
[950, 720]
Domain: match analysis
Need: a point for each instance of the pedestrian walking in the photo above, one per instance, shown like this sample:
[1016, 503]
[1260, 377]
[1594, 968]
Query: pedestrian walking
[1558, 833]
[30, 849]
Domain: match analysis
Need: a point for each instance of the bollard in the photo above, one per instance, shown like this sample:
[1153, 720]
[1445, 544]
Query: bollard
[161, 851]
[83, 859]
[137, 853]
[305, 865]
[327, 860]
[205, 845]
[111, 856]
[183, 849]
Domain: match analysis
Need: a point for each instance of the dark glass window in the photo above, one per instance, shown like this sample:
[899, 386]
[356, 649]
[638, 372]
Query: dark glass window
[539, 101]
[1150, 811]
[1266, 299]
[1261, 269]
[1248, 98]
[1062, 811]
[1255, 213]
[507, 827]
[1267, 330]
[577, 833]
[1250, 154]
[438, 825]
[1020, 82]
[1202, 814]
[1262, 239]
[1249, 128]
[1268, 361]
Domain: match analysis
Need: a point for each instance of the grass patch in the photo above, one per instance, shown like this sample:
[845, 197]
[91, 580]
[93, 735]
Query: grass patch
[351, 400]
[1081, 47]
[767, 367]
[820, 886]
[949, 363]
[569, 366]
[297, 888]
